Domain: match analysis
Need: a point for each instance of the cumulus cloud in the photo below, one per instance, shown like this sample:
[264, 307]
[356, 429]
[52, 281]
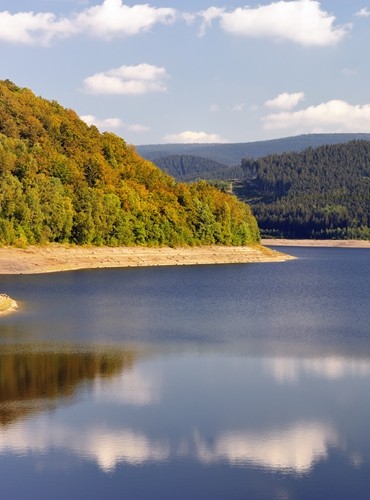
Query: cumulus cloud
[109, 124]
[105, 124]
[331, 116]
[193, 137]
[364, 12]
[139, 79]
[113, 18]
[285, 101]
[107, 20]
[30, 28]
[298, 21]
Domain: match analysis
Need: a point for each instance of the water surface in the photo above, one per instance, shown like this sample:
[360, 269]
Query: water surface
[231, 381]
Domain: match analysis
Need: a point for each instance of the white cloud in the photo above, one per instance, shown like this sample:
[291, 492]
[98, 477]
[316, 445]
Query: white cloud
[193, 137]
[331, 116]
[107, 20]
[285, 101]
[106, 124]
[139, 79]
[208, 16]
[30, 28]
[137, 127]
[299, 21]
[364, 12]
[113, 18]
[109, 124]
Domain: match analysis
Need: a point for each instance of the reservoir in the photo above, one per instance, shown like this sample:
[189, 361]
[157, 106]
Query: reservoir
[199, 382]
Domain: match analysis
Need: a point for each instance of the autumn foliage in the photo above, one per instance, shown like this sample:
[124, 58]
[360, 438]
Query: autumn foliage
[63, 181]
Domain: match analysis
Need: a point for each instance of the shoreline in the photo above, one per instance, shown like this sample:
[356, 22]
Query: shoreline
[316, 243]
[57, 257]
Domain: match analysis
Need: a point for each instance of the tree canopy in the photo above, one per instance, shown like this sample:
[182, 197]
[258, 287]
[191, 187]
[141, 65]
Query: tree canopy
[63, 181]
[321, 192]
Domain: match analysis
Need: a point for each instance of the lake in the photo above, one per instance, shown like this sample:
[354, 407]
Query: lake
[201, 382]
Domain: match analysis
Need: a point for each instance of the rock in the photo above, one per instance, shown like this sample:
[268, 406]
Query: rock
[7, 304]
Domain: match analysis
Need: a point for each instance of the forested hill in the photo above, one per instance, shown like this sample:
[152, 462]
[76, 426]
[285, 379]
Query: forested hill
[188, 168]
[231, 154]
[321, 192]
[63, 181]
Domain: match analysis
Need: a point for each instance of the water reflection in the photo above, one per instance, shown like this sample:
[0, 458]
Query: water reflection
[213, 410]
[32, 379]
[130, 388]
[331, 367]
[106, 447]
[291, 450]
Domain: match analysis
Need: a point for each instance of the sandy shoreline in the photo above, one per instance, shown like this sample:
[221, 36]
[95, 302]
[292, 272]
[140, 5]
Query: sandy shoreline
[318, 243]
[53, 258]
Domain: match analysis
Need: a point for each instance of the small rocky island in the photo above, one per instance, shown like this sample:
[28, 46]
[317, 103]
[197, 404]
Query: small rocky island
[7, 304]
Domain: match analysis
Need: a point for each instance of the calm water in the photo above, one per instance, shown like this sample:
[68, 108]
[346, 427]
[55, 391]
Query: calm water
[210, 382]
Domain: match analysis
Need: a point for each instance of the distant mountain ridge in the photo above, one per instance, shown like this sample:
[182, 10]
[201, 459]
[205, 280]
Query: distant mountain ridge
[231, 154]
[309, 186]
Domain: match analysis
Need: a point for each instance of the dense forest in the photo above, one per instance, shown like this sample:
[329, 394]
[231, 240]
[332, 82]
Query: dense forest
[321, 192]
[63, 181]
[189, 168]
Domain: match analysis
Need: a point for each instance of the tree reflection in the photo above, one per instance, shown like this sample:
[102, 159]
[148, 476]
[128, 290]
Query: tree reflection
[33, 381]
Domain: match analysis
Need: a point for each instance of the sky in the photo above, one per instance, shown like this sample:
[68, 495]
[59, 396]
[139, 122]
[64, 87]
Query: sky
[203, 71]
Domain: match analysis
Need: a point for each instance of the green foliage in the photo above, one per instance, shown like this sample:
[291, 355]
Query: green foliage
[319, 193]
[63, 181]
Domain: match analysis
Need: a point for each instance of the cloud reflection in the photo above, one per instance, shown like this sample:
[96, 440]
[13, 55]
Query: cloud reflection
[132, 388]
[295, 449]
[106, 447]
[291, 370]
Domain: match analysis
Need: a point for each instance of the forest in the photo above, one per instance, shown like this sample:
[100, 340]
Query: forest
[64, 181]
[321, 192]
[189, 168]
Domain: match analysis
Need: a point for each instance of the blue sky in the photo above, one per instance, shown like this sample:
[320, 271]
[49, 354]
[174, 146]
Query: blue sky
[195, 71]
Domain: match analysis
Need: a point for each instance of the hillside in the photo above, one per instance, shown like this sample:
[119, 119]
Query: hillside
[63, 181]
[232, 154]
[188, 168]
[321, 192]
